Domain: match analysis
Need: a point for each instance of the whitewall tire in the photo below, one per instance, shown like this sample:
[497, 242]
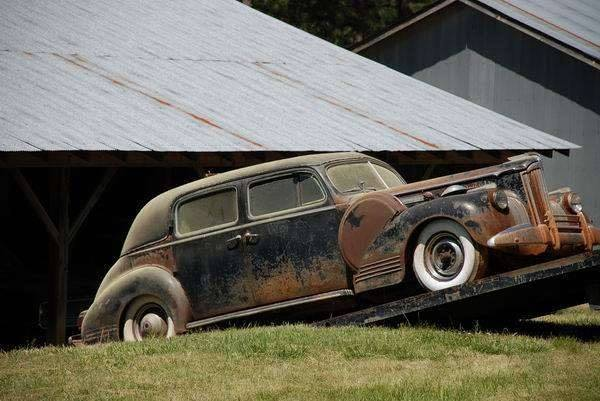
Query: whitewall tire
[445, 256]
[147, 317]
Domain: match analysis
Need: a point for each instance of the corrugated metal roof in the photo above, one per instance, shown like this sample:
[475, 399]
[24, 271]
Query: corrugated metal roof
[575, 23]
[191, 75]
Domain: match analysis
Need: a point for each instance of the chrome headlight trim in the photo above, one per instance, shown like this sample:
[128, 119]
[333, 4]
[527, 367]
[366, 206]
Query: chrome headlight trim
[574, 202]
[500, 200]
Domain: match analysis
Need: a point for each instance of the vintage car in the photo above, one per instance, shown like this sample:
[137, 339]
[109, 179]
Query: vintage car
[314, 229]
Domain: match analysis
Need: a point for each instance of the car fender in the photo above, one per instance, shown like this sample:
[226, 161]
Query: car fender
[103, 318]
[392, 239]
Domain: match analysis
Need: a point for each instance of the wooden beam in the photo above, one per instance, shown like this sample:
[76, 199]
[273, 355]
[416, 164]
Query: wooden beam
[106, 179]
[59, 267]
[429, 171]
[36, 204]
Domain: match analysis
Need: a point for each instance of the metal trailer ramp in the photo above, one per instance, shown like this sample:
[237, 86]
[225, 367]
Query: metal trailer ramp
[524, 293]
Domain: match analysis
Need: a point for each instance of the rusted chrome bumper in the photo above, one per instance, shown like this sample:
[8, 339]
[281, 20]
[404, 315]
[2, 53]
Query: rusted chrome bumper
[564, 232]
[75, 340]
[78, 339]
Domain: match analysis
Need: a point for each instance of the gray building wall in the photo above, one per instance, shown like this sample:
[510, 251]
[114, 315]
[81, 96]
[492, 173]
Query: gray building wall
[472, 55]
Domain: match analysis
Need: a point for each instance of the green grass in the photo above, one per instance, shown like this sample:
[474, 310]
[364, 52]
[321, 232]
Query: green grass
[306, 363]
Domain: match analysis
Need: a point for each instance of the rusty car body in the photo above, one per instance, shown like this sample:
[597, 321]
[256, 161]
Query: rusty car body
[315, 229]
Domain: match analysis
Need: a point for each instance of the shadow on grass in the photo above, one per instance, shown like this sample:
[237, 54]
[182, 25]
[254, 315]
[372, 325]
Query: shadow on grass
[584, 333]
[532, 328]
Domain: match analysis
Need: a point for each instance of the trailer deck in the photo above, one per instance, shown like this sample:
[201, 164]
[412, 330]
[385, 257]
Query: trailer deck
[524, 293]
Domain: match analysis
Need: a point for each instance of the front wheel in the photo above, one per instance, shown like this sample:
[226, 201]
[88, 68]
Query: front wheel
[147, 317]
[446, 256]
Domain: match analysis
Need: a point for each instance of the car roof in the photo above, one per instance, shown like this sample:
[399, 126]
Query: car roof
[152, 222]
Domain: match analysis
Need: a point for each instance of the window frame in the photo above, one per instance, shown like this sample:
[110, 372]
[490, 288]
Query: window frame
[367, 161]
[201, 194]
[270, 177]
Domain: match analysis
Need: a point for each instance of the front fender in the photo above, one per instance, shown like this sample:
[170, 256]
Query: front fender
[472, 210]
[103, 318]
[387, 248]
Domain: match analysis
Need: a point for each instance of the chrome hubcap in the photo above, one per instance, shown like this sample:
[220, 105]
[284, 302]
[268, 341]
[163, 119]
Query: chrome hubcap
[150, 322]
[444, 256]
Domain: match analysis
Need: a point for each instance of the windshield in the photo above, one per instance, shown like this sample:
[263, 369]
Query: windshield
[363, 176]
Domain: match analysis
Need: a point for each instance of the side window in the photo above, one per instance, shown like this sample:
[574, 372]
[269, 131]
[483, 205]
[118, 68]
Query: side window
[273, 196]
[284, 193]
[309, 188]
[206, 211]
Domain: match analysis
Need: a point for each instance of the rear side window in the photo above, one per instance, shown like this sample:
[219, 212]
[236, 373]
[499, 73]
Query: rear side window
[284, 193]
[207, 211]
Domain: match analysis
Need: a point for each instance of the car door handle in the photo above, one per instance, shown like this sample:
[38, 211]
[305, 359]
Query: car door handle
[251, 239]
[233, 243]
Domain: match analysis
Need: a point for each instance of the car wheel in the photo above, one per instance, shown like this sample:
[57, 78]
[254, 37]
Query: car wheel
[147, 317]
[445, 256]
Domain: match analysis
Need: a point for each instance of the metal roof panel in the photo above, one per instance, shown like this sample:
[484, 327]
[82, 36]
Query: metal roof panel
[216, 76]
[575, 23]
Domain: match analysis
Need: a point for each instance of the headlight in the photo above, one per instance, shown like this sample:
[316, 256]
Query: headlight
[500, 200]
[574, 202]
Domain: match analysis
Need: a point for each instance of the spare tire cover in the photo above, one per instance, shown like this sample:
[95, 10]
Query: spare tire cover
[363, 222]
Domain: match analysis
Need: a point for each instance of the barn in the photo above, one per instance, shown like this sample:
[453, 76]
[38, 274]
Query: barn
[105, 104]
[536, 62]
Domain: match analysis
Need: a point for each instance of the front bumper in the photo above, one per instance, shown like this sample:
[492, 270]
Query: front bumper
[562, 233]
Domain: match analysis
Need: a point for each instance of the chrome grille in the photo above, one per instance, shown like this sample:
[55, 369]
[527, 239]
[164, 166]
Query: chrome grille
[537, 196]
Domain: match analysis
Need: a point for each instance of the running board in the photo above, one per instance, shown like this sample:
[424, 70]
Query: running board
[271, 307]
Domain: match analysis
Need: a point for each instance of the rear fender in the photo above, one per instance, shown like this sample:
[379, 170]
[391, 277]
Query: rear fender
[102, 320]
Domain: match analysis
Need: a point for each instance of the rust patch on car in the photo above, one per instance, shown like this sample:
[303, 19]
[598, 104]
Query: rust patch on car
[159, 256]
[289, 280]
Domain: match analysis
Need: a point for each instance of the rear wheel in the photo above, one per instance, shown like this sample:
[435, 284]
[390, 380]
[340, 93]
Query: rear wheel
[147, 317]
[446, 256]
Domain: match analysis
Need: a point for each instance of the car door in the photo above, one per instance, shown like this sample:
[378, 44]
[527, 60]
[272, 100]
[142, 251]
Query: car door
[208, 252]
[291, 240]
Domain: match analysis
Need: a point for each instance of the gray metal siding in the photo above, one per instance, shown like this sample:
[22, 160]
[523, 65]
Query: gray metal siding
[476, 57]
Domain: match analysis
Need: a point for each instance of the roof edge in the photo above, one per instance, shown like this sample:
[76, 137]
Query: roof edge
[422, 14]
[490, 11]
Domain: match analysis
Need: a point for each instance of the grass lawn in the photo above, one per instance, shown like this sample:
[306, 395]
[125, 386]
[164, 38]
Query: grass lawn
[553, 358]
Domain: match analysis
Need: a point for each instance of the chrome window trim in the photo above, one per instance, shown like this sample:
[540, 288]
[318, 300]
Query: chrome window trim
[285, 212]
[270, 307]
[201, 194]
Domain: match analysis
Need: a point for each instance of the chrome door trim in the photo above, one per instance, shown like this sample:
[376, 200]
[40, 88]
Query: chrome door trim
[270, 307]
